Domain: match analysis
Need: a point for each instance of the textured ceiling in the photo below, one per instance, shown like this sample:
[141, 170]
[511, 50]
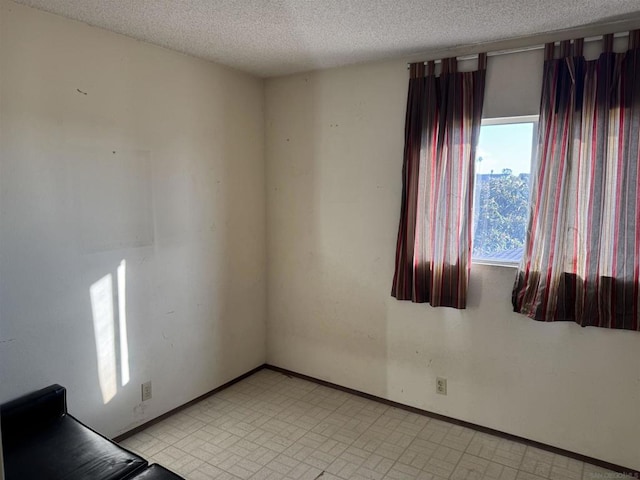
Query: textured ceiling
[275, 37]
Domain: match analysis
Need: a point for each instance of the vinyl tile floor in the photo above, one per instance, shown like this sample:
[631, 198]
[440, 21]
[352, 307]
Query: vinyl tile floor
[270, 426]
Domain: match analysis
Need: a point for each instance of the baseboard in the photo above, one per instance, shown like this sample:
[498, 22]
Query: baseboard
[146, 425]
[542, 446]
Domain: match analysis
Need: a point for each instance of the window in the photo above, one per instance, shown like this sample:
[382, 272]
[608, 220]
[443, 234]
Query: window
[501, 192]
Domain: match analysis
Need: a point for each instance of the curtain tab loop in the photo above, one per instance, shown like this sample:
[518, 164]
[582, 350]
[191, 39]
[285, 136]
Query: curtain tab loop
[565, 48]
[448, 65]
[578, 47]
[416, 70]
[482, 61]
[549, 51]
[431, 68]
[634, 39]
[607, 43]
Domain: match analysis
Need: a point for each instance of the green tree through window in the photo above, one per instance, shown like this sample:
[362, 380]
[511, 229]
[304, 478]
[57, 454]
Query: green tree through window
[503, 207]
[501, 191]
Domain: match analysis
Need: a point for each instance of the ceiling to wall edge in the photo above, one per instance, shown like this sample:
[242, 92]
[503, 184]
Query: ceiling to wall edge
[585, 31]
[614, 25]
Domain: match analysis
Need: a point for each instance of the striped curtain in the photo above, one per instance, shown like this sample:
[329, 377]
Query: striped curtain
[582, 253]
[441, 133]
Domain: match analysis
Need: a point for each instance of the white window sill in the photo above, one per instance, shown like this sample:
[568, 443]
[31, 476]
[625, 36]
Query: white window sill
[494, 263]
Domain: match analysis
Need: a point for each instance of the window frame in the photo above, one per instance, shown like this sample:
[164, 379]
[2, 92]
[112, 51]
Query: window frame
[534, 150]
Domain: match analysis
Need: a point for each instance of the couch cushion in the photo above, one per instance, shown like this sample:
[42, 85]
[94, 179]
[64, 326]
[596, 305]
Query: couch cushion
[156, 472]
[67, 449]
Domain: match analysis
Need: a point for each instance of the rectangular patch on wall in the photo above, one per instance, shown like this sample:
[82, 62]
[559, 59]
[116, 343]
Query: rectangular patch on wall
[113, 199]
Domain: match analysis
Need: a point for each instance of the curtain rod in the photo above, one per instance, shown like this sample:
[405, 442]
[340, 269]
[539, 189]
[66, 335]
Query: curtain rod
[509, 51]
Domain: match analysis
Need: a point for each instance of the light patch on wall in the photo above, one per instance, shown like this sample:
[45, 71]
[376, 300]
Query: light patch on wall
[101, 293]
[122, 320]
[110, 331]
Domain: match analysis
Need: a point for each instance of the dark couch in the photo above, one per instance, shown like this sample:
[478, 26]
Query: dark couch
[41, 441]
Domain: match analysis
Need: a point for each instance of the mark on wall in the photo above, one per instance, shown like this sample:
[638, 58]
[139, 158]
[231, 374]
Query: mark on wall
[80, 91]
[139, 410]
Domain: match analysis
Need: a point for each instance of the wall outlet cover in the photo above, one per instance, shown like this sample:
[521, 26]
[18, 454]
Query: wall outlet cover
[441, 385]
[146, 391]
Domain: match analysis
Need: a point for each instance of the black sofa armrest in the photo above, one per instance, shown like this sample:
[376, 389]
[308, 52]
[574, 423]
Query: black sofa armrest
[32, 411]
[41, 441]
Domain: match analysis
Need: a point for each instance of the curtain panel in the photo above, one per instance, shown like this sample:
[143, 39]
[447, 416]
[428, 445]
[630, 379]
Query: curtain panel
[444, 113]
[582, 254]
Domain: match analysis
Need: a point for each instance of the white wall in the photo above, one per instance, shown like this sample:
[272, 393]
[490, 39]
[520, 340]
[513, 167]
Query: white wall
[334, 160]
[182, 201]
[159, 163]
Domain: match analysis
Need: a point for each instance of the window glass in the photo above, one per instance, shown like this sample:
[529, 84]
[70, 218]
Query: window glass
[501, 194]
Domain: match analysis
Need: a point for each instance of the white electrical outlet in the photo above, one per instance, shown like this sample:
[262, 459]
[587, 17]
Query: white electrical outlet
[441, 385]
[146, 391]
